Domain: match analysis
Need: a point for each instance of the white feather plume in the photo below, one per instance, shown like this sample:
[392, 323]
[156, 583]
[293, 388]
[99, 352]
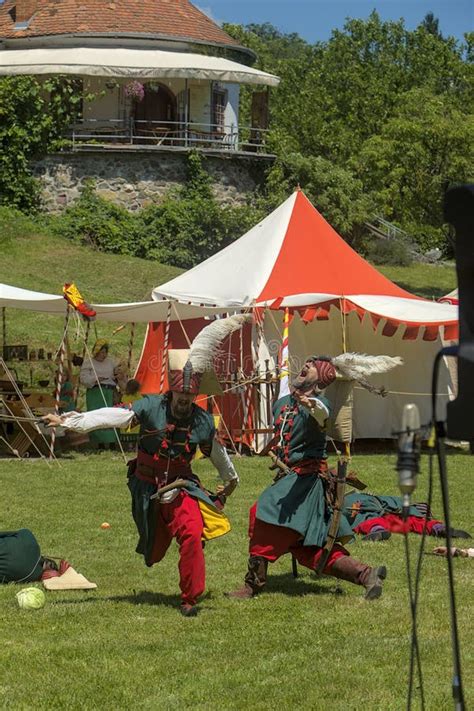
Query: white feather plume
[205, 346]
[359, 366]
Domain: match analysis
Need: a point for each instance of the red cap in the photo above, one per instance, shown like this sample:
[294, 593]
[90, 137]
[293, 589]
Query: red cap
[326, 372]
[181, 382]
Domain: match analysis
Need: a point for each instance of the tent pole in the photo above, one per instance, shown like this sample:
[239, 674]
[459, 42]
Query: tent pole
[60, 376]
[164, 355]
[83, 355]
[188, 340]
[130, 347]
[343, 324]
[241, 349]
[252, 386]
[4, 327]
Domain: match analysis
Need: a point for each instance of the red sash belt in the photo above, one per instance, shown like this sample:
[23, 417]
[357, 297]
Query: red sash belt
[153, 470]
[310, 466]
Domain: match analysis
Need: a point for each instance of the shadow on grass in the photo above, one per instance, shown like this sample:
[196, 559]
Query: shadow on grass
[284, 583]
[298, 587]
[145, 597]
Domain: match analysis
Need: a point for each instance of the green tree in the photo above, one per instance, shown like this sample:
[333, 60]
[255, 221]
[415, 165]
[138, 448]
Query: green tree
[33, 118]
[353, 102]
[336, 193]
[431, 24]
[97, 223]
[426, 144]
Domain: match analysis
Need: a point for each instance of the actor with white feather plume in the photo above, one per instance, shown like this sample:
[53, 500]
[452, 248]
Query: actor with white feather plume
[172, 426]
[293, 515]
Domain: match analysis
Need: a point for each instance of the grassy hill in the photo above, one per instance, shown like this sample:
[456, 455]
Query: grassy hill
[431, 281]
[32, 258]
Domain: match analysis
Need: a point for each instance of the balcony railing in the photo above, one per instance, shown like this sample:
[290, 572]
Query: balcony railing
[117, 134]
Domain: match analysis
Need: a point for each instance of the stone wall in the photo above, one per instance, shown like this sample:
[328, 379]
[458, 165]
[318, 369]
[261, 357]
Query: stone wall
[134, 180]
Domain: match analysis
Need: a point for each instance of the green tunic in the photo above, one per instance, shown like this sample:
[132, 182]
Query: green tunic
[19, 557]
[154, 415]
[363, 507]
[298, 502]
[299, 432]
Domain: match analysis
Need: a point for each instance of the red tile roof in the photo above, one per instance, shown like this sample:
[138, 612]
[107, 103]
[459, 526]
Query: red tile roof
[172, 18]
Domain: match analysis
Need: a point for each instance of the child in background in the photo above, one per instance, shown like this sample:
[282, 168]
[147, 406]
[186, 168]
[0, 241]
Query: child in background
[66, 394]
[129, 435]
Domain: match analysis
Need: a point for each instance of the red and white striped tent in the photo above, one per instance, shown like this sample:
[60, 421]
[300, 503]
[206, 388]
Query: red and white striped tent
[451, 298]
[339, 302]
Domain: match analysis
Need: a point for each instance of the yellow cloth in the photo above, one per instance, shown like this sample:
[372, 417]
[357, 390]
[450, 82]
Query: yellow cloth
[127, 399]
[73, 295]
[215, 522]
[199, 454]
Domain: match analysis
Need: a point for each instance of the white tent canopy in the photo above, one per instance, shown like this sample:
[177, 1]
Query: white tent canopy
[266, 265]
[373, 416]
[135, 312]
[129, 63]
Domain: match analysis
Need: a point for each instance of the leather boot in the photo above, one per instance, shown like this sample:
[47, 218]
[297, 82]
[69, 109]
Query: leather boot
[188, 610]
[439, 530]
[254, 581]
[346, 568]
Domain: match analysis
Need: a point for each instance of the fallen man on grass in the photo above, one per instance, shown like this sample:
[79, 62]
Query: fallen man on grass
[376, 517]
[21, 561]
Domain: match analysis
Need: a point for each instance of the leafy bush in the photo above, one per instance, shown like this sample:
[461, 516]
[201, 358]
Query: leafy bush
[187, 227]
[389, 252]
[180, 232]
[97, 223]
[428, 237]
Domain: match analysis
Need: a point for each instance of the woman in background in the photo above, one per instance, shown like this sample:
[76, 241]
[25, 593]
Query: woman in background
[99, 375]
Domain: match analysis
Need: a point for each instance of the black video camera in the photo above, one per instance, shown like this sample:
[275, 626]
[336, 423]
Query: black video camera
[459, 212]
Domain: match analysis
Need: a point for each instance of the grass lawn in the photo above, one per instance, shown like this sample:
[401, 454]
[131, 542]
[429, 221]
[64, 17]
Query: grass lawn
[297, 646]
[431, 281]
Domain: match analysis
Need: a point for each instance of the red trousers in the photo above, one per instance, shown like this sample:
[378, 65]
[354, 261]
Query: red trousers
[271, 542]
[395, 524]
[181, 519]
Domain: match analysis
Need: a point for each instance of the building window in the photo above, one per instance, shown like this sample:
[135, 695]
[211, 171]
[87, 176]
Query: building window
[218, 107]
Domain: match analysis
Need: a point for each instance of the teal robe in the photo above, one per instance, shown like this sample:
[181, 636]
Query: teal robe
[298, 502]
[20, 557]
[360, 507]
[153, 413]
